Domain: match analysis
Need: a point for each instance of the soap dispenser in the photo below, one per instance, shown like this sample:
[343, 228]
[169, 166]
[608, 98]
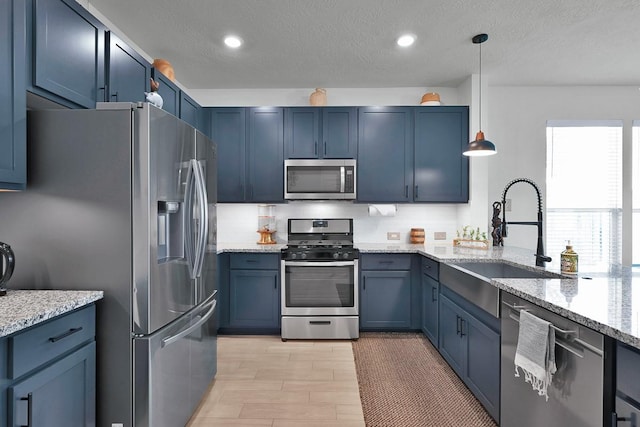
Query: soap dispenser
[569, 260]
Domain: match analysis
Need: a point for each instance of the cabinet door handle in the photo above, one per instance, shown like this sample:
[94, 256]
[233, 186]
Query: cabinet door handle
[415, 192]
[364, 283]
[315, 148]
[433, 294]
[325, 148]
[115, 95]
[457, 325]
[250, 261]
[319, 322]
[385, 262]
[104, 93]
[29, 400]
[406, 191]
[462, 327]
[65, 334]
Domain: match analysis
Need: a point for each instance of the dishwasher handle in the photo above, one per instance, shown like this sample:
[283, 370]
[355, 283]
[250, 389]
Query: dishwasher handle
[570, 334]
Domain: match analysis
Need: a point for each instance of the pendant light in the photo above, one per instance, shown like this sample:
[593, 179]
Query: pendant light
[481, 146]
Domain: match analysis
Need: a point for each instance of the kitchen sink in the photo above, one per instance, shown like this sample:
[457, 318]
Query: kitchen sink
[494, 270]
[472, 280]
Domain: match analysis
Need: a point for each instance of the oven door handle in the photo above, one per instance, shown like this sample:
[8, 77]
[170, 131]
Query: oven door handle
[319, 263]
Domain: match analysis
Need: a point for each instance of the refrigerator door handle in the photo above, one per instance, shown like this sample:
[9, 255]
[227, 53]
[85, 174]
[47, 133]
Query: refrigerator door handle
[189, 245]
[201, 245]
[170, 340]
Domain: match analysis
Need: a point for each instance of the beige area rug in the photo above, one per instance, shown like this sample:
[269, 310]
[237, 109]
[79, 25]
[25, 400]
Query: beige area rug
[404, 382]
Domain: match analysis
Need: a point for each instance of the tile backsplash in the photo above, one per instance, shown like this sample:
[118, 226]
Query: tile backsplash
[238, 223]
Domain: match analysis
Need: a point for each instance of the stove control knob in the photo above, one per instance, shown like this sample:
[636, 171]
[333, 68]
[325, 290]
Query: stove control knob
[336, 255]
[294, 255]
[303, 255]
[345, 255]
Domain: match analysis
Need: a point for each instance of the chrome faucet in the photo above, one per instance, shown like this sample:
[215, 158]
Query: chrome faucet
[541, 258]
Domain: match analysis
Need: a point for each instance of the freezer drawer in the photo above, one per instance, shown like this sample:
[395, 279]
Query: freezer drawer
[174, 367]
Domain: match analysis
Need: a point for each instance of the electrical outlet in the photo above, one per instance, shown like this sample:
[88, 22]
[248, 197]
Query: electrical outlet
[507, 205]
[393, 235]
[440, 235]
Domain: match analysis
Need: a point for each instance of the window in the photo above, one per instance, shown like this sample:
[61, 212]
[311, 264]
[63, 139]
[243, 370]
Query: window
[584, 191]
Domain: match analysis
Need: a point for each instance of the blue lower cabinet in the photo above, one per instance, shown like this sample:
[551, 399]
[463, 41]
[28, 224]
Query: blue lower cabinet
[385, 300]
[62, 394]
[453, 346]
[430, 296]
[482, 374]
[254, 299]
[48, 373]
[472, 349]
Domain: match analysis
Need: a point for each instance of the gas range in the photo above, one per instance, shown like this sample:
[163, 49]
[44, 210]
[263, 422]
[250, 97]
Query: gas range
[320, 240]
[319, 280]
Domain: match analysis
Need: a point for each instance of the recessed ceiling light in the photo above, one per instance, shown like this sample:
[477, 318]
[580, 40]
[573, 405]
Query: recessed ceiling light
[406, 40]
[233, 41]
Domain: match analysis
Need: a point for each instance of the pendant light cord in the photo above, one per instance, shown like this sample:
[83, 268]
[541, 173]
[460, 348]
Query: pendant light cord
[480, 100]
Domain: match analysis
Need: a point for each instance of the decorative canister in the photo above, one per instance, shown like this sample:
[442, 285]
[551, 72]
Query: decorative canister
[569, 260]
[165, 68]
[266, 224]
[319, 97]
[416, 235]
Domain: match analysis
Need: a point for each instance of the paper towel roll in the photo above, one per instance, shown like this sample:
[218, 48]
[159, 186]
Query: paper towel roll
[382, 210]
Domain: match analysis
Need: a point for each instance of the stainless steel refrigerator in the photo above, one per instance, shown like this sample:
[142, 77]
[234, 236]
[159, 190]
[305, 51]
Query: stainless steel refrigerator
[122, 199]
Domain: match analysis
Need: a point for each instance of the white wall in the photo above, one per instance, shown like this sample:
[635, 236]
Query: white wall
[237, 223]
[518, 128]
[335, 96]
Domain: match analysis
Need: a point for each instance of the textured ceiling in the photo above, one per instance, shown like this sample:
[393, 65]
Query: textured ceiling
[351, 43]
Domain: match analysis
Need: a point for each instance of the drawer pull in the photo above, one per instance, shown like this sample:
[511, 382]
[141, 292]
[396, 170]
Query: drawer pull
[319, 322]
[66, 334]
[29, 400]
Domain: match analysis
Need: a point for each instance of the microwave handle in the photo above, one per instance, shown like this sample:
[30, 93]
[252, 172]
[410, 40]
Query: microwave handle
[342, 178]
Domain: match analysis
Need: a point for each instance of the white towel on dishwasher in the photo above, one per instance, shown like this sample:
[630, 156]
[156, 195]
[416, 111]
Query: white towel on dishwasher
[535, 352]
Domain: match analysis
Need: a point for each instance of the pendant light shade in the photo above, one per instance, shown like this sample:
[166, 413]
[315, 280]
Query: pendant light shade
[481, 146]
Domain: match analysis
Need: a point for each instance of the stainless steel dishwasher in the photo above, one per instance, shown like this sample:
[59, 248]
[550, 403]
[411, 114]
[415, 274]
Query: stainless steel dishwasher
[576, 393]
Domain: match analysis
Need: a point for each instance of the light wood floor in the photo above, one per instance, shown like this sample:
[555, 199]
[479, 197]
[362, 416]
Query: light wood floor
[262, 381]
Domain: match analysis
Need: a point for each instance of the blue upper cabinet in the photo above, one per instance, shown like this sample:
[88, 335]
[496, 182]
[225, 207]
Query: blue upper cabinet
[302, 133]
[68, 59]
[339, 132]
[128, 72]
[189, 110]
[169, 92]
[265, 156]
[250, 153]
[385, 146]
[441, 172]
[228, 131]
[13, 98]
[321, 132]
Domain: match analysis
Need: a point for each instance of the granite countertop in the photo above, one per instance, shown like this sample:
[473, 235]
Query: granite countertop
[20, 309]
[608, 302]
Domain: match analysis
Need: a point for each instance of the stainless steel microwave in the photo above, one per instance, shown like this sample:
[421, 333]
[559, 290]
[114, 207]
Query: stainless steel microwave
[322, 179]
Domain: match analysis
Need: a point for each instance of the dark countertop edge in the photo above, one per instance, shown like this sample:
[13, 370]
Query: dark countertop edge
[19, 324]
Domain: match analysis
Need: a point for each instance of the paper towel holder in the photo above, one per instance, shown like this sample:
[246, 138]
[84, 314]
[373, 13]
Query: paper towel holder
[382, 210]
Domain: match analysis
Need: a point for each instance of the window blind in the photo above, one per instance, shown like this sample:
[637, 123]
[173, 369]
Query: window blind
[584, 190]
